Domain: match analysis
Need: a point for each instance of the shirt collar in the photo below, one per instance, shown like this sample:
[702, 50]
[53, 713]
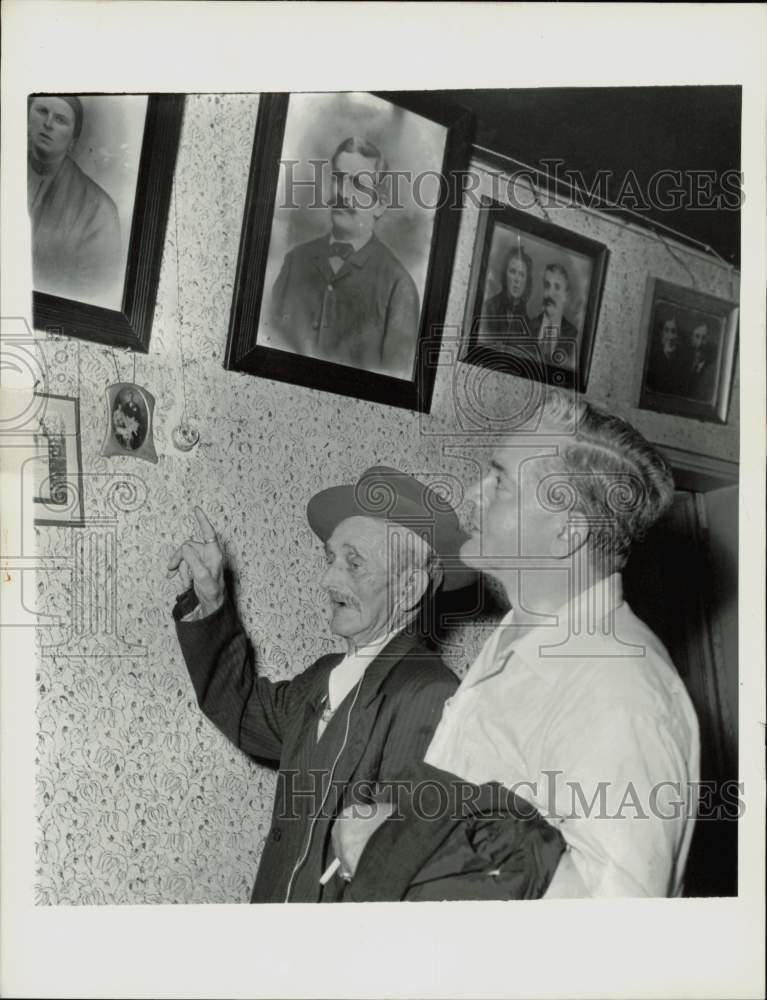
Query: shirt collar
[575, 621]
[371, 649]
[578, 616]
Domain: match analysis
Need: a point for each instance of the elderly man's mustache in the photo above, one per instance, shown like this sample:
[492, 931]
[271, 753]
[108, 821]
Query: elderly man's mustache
[548, 301]
[341, 597]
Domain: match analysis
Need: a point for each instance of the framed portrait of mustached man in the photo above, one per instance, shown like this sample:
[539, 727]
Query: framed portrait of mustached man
[347, 245]
[99, 177]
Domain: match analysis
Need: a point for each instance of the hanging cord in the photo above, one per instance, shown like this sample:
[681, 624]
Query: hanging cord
[178, 308]
[305, 853]
[641, 229]
[679, 259]
[184, 435]
[117, 370]
[538, 201]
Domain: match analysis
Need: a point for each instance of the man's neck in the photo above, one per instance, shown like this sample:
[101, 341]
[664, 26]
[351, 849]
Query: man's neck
[353, 645]
[537, 593]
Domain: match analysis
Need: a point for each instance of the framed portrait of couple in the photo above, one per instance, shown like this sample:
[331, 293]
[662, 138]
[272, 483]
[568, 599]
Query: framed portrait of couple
[533, 299]
[347, 243]
[687, 352]
[99, 178]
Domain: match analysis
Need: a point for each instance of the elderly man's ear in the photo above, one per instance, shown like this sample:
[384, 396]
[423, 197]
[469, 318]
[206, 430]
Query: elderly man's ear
[414, 587]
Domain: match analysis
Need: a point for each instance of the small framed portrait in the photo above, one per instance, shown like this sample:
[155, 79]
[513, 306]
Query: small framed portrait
[687, 352]
[533, 299]
[58, 492]
[99, 176]
[130, 410]
[347, 242]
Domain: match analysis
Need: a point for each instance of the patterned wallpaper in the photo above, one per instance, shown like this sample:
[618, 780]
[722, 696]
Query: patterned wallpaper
[139, 799]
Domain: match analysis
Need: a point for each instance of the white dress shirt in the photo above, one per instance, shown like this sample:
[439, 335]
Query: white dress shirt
[560, 708]
[345, 675]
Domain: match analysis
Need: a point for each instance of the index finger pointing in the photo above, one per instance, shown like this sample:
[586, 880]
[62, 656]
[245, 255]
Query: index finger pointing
[207, 531]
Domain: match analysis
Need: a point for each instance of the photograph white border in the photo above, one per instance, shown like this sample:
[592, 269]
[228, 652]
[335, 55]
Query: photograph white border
[568, 948]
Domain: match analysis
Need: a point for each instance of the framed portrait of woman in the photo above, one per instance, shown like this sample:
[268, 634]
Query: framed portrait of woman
[533, 301]
[99, 177]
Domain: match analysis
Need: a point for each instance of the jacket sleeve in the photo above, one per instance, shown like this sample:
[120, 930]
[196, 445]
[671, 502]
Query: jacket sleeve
[251, 711]
[438, 817]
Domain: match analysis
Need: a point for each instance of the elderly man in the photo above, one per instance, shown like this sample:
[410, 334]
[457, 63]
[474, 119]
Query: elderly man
[345, 297]
[551, 325]
[347, 722]
[573, 704]
[75, 226]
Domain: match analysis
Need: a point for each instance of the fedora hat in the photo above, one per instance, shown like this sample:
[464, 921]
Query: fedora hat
[390, 495]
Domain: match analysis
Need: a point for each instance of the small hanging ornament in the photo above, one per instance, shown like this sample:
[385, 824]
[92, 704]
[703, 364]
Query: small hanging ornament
[184, 435]
[130, 412]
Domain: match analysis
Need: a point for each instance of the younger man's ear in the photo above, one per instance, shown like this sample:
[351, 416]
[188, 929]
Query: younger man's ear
[568, 538]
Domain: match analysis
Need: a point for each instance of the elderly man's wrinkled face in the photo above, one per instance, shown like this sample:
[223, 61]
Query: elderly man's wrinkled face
[375, 572]
[51, 127]
[669, 336]
[357, 578]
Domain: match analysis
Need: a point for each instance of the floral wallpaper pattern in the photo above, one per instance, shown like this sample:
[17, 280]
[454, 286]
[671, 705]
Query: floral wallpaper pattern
[139, 799]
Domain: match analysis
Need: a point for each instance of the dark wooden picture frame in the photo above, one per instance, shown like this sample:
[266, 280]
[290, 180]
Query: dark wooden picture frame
[499, 333]
[131, 325]
[244, 352]
[679, 383]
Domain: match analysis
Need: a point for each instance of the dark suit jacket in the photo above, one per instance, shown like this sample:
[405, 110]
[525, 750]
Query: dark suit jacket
[502, 318]
[365, 315]
[454, 840]
[667, 374]
[700, 385]
[390, 727]
[567, 335]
